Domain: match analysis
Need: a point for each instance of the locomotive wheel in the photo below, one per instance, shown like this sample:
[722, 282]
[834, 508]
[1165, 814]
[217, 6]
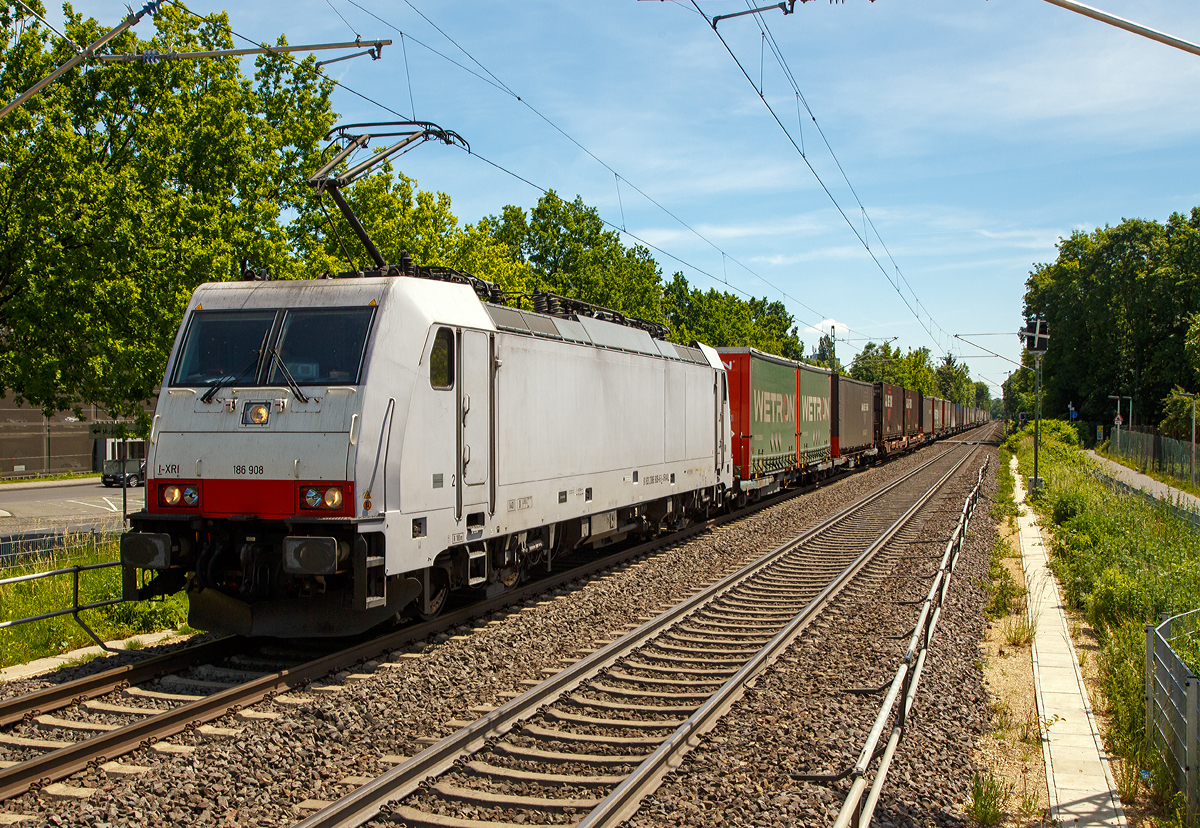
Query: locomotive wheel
[510, 576]
[439, 584]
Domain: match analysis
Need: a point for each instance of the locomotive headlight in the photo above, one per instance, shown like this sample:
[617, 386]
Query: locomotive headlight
[171, 495]
[256, 414]
[191, 495]
[323, 498]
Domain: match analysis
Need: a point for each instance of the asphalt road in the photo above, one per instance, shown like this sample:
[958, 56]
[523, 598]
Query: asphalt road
[83, 500]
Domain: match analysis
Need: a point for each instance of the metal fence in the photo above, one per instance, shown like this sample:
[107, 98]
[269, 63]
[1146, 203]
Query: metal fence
[1176, 507]
[74, 572]
[1154, 452]
[857, 812]
[1172, 705]
[51, 548]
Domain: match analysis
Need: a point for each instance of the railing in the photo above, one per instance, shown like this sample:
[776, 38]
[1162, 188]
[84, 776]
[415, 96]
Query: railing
[1175, 507]
[75, 608]
[52, 547]
[855, 811]
[1152, 451]
[1172, 706]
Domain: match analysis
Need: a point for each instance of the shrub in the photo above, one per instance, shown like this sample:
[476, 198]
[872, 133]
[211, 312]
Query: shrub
[989, 797]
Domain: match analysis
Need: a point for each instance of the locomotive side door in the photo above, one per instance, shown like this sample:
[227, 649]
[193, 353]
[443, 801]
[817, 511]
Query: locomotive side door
[474, 418]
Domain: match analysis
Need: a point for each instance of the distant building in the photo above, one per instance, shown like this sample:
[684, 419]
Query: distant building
[32, 444]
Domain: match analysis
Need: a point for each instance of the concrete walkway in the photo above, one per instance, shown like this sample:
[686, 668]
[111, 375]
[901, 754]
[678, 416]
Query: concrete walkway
[1082, 792]
[45, 665]
[1153, 487]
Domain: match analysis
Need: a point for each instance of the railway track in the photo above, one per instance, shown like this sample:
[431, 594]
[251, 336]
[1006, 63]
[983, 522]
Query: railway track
[597, 737]
[53, 733]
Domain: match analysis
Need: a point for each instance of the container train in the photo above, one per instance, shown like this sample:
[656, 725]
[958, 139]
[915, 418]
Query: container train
[328, 453]
[331, 453]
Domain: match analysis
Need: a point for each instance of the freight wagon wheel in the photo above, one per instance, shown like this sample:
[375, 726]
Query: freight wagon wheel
[439, 586]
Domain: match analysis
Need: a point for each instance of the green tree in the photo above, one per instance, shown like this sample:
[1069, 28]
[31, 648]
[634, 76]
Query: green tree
[827, 354]
[877, 363]
[400, 217]
[722, 320]
[983, 396]
[127, 185]
[570, 252]
[1177, 415]
[1122, 303]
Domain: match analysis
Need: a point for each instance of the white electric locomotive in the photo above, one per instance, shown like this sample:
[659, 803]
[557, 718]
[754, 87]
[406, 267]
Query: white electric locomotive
[326, 454]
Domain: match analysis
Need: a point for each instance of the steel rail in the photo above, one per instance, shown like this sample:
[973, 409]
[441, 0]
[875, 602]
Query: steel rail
[907, 679]
[58, 696]
[366, 802]
[624, 800]
[61, 763]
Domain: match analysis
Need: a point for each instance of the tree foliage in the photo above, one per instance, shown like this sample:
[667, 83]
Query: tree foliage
[1123, 305]
[127, 185]
[951, 380]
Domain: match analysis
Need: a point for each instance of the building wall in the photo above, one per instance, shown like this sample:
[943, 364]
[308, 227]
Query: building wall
[31, 444]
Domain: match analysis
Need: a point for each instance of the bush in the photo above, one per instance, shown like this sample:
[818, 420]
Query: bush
[1066, 506]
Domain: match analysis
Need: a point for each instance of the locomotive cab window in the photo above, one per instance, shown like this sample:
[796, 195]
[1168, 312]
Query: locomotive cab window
[441, 360]
[223, 347]
[317, 346]
[322, 346]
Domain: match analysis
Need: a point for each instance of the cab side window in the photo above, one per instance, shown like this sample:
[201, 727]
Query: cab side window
[441, 360]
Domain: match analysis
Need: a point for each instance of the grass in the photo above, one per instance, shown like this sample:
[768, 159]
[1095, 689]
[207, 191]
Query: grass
[1121, 562]
[54, 636]
[1004, 505]
[1019, 630]
[40, 477]
[1006, 594]
[1184, 484]
[989, 798]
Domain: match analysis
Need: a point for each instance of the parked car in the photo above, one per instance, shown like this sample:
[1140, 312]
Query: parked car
[112, 476]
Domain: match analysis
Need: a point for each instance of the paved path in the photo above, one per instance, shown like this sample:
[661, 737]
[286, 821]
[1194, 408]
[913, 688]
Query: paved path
[1082, 792]
[1142, 481]
[45, 665]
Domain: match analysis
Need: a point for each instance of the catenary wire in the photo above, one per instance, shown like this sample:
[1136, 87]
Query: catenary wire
[498, 84]
[837, 205]
[809, 325]
[782, 61]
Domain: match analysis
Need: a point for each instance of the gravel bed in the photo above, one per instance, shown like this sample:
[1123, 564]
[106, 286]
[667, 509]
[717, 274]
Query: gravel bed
[800, 717]
[20, 687]
[257, 776]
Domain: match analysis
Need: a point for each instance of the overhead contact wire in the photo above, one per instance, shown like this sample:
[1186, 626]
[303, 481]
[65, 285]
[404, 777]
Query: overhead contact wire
[495, 82]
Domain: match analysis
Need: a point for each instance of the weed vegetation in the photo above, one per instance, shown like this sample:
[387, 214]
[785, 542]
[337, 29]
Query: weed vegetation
[1121, 561]
[53, 636]
[989, 798]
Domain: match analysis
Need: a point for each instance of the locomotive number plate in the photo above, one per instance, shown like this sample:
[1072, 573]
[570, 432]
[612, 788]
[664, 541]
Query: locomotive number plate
[243, 471]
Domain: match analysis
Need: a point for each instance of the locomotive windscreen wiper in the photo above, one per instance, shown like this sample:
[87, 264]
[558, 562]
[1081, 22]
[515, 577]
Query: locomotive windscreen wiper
[275, 358]
[228, 378]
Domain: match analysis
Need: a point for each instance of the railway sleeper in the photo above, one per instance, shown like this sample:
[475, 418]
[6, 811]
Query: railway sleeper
[528, 754]
[554, 735]
[547, 779]
[638, 724]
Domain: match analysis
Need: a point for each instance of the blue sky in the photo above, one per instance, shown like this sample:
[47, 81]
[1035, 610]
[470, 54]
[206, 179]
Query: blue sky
[975, 133]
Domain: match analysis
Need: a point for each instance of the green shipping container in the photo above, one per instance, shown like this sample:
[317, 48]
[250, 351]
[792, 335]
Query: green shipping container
[814, 415]
[780, 411]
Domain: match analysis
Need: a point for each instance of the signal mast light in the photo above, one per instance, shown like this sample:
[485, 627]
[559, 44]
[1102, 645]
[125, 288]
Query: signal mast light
[1036, 335]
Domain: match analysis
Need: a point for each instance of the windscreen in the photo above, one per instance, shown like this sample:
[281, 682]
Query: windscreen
[322, 346]
[223, 346]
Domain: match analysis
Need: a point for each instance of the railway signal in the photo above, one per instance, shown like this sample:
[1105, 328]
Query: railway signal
[1036, 337]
